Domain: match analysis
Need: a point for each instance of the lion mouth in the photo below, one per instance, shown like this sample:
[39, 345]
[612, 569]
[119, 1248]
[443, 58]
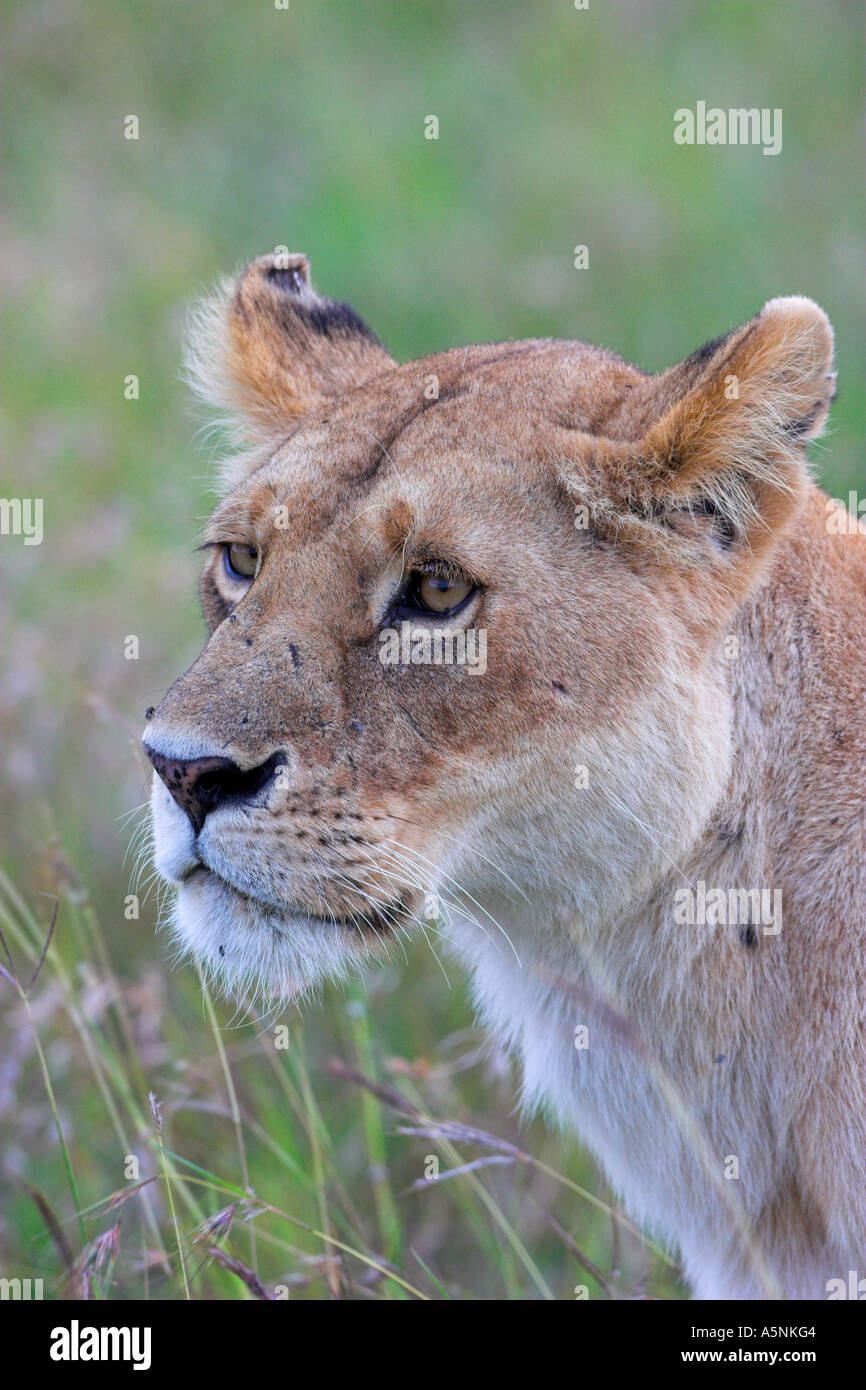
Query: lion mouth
[380, 921]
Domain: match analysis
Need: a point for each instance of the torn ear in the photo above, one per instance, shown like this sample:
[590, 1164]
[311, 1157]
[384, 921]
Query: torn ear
[722, 468]
[267, 349]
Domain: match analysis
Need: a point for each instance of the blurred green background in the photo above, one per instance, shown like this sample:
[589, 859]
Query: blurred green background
[261, 127]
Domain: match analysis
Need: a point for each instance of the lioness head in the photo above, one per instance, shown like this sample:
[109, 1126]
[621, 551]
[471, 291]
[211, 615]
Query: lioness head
[465, 625]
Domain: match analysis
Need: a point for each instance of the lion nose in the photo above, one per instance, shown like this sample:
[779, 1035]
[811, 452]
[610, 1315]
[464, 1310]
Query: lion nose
[201, 784]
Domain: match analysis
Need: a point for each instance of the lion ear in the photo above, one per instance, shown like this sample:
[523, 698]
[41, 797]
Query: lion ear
[266, 349]
[733, 417]
[718, 470]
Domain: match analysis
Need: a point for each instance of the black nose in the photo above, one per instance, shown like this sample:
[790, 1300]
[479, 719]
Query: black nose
[200, 785]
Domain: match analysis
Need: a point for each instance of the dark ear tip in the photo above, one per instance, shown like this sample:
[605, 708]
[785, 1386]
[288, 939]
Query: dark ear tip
[286, 271]
[291, 281]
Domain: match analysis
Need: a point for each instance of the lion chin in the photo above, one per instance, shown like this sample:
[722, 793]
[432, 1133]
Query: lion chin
[254, 952]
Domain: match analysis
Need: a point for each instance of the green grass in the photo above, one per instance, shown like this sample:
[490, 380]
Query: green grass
[260, 128]
[170, 1135]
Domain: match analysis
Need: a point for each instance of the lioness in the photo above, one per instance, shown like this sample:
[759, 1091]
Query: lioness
[640, 827]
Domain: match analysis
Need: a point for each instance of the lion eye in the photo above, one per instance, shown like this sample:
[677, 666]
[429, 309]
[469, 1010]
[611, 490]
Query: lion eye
[439, 594]
[240, 561]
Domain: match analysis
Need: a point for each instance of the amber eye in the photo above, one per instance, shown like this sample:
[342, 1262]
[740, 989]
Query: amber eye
[240, 561]
[440, 593]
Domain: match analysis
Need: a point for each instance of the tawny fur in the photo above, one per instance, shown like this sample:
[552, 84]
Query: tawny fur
[666, 607]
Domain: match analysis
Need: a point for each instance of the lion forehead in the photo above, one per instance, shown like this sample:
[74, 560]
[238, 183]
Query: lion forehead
[494, 403]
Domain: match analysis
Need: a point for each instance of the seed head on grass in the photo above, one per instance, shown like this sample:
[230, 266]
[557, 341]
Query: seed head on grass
[155, 1114]
[241, 1271]
[91, 1273]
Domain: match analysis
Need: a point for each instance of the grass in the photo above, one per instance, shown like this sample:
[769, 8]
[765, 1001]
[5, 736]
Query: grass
[298, 1165]
[228, 1178]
